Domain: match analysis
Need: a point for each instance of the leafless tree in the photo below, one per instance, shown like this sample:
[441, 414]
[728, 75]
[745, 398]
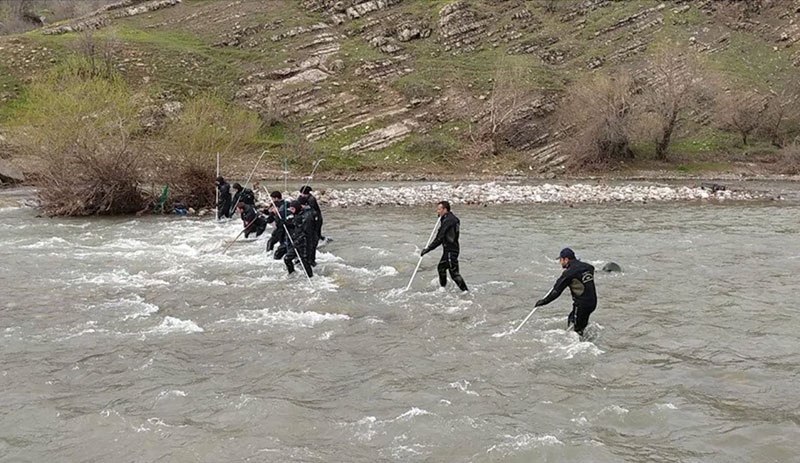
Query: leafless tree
[668, 88]
[781, 115]
[740, 111]
[509, 95]
[598, 115]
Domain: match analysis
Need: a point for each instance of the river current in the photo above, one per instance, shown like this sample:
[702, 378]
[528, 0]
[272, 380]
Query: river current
[138, 339]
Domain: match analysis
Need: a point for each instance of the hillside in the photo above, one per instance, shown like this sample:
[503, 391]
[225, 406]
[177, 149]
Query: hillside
[407, 86]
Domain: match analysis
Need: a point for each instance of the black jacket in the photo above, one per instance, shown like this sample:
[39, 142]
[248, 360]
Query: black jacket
[283, 208]
[312, 201]
[224, 193]
[449, 230]
[246, 196]
[579, 278]
[252, 220]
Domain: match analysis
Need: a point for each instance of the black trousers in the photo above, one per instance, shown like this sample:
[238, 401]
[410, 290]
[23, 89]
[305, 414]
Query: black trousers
[224, 209]
[579, 318]
[278, 235]
[299, 253]
[449, 262]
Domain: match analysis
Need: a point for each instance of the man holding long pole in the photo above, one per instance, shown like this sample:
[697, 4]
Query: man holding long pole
[449, 231]
[579, 278]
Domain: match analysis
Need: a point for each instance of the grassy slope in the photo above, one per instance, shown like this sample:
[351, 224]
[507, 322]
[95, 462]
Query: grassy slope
[180, 58]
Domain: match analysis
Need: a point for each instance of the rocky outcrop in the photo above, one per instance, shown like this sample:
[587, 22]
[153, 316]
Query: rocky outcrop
[102, 17]
[461, 29]
[382, 70]
[384, 137]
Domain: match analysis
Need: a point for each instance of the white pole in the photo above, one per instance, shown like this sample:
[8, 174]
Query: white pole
[216, 193]
[254, 169]
[285, 175]
[526, 319]
[316, 164]
[433, 233]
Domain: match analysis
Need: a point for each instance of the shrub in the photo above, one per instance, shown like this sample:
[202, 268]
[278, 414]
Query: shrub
[188, 148]
[79, 130]
[598, 114]
[789, 162]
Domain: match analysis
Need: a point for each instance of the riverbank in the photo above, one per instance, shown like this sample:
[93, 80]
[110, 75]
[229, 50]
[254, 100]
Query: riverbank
[518, 193]
[333, 192]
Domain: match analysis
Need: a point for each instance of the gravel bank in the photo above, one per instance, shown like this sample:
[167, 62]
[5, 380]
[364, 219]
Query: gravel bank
[500, 193]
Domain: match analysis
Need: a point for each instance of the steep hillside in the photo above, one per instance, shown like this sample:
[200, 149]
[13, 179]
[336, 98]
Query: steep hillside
[404, 85]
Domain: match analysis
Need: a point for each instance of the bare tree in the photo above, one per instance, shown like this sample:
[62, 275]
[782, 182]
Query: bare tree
[781, 115]
[598, 114]
[740, 111]
[509, 96]
[668, 88]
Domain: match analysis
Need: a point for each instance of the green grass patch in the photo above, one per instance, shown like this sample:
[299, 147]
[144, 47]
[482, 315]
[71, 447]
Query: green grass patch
[750, 61]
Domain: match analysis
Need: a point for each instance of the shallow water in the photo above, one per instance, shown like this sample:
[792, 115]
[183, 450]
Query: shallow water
[137, 339]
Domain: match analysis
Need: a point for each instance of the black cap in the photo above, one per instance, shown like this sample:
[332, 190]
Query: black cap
[220, 179]
[276, 194]
[566, 253]
[306, 189]
[296, 205]
[236, 186]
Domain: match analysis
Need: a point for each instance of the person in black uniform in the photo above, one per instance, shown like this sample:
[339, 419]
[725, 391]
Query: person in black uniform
[277, 214]
[300, 224]
[243, 195]
[305, 192]
[449, 229]
[224, 202]
[579, 278]
[253, 221]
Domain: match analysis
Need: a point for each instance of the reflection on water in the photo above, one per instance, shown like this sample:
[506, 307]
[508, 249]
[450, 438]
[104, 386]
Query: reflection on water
[140, 337]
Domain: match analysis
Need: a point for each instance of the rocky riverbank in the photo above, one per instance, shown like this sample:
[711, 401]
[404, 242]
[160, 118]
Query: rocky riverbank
[502, 193]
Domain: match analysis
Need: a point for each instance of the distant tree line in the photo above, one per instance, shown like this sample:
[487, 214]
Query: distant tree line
[604, 115]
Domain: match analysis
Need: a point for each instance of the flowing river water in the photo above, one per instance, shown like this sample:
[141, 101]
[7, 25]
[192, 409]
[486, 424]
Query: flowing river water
[139, 340]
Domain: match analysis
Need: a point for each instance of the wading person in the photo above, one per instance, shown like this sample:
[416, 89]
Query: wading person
[305, 192]
[301, 229]
[243, 195]
[579, 278]
[224, 202]
[277, 216]
[310, 222]
[449, 229]
[252, 220]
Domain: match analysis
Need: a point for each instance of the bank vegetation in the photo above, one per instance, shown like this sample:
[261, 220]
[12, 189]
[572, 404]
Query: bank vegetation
[137, 118]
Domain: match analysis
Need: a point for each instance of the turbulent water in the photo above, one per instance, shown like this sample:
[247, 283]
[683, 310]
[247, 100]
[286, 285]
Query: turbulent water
[139, 340]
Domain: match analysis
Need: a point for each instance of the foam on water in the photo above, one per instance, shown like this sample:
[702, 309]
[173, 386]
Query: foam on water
[512, 444]
[509, 331]
[568, 344]
[175, 325]
[53, 242]
[121, 277]
[287, 318]
[132, 307]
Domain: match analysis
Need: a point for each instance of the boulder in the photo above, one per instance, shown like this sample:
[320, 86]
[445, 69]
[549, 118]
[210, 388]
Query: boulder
[612, 267]
[9, 173]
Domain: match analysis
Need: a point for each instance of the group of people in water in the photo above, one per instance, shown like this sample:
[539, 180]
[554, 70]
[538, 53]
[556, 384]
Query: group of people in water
[298, 231]
[297, 223]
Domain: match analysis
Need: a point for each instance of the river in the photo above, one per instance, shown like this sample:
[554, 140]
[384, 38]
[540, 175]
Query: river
[139, 340]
